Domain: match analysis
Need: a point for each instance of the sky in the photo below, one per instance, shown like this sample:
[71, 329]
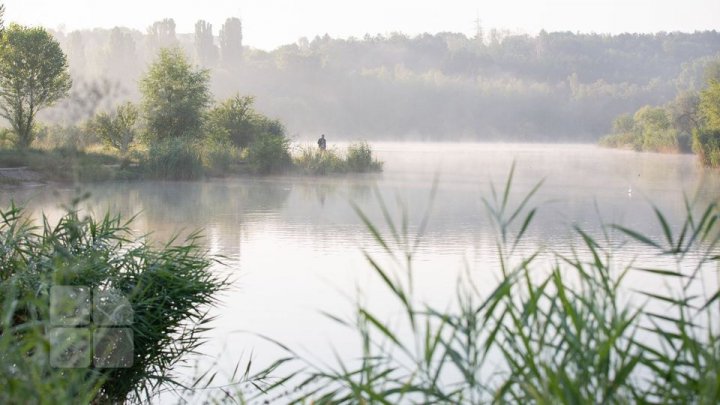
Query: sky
[268, 24]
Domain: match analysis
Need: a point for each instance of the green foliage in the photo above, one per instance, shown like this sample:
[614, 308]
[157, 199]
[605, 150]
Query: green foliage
[169, 289]
[117, 130]
[219, 156]
[174, 159]
[269, 154]
[60, 164]
[688, 123]
[359, 158]
[625, 140]
[558, 327]
[623, 124]
[33, 75]
[665, 140]
[235, 120]
[174, 97]
[706, 144]
[314, 161]
[710, 105]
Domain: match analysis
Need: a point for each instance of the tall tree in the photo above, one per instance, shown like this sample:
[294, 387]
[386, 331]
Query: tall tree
[161, 35]
[120, 57]
[33, 75]
[231, 38]
[205, 48]
[2, 19]
[710, 105]
[175, 96]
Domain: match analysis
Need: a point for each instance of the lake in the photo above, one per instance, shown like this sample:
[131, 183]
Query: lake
[293, 246]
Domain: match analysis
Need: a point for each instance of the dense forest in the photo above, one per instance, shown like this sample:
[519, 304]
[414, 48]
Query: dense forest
[497, 85]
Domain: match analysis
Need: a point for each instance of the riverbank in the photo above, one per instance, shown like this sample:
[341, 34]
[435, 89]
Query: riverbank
[32, 167]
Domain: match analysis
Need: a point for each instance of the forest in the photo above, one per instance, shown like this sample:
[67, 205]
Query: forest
[496, 85]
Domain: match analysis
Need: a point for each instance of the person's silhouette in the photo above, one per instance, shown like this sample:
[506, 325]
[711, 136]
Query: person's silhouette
[322, 144]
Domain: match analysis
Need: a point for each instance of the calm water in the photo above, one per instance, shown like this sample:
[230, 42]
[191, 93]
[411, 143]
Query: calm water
[293, 245]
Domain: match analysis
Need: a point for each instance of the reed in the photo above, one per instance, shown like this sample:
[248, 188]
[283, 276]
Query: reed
[169, 289]
[572, 331]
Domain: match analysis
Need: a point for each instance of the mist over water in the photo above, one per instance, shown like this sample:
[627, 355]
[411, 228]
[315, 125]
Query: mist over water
[293, 245]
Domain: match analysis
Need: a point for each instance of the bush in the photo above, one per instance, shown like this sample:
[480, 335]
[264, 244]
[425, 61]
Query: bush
[314, 161]
[625, 140]
[168, 290]
[706, 144]
[235, 118]
[117, 130]
[359, 158]
[218, 156]
[661, 141]
[174, 159]
[269, 154]
[65, 137]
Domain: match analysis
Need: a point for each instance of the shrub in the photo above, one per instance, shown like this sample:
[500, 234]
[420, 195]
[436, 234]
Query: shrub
[117, 130]
[174, 159]
[625, 140]
[665, 140]
[359, 158]
[218, 156]
[269, 154]
[64, 137]
[236, 118]
[706, 144]
[314, 161]
[168, 290]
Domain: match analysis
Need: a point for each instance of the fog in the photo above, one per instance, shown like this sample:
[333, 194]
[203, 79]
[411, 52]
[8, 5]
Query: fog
[493, 85]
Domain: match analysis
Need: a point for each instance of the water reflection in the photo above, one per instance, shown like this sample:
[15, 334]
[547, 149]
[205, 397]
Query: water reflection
[293, 244]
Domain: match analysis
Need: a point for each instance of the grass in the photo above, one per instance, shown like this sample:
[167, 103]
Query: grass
[63, 164]
[358, 158]
[570, 329]
[168, 289]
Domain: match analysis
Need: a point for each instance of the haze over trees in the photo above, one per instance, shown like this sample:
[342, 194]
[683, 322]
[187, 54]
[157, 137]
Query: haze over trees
[447, 86]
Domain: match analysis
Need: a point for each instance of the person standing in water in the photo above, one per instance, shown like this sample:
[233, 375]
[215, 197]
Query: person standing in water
[322, 144]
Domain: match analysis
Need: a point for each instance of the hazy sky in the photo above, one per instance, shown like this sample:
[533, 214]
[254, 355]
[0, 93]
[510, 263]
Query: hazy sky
[269, 23]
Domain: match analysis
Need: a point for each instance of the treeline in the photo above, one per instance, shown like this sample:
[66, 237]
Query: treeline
[553, 86]
[178, 130]
[690, 122]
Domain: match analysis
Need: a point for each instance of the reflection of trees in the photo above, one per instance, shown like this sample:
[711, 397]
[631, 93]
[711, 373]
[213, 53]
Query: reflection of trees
[198, 203]
[355, 188]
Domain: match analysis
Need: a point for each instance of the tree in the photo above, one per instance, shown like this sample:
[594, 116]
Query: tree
[118, 129]
[231, 42]
[710, 105]
[235, 119]
[2, 19]
[33, 75]
[121, 56]
[161, 35]
[623, 124]
[175, 96]
[207, 52]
